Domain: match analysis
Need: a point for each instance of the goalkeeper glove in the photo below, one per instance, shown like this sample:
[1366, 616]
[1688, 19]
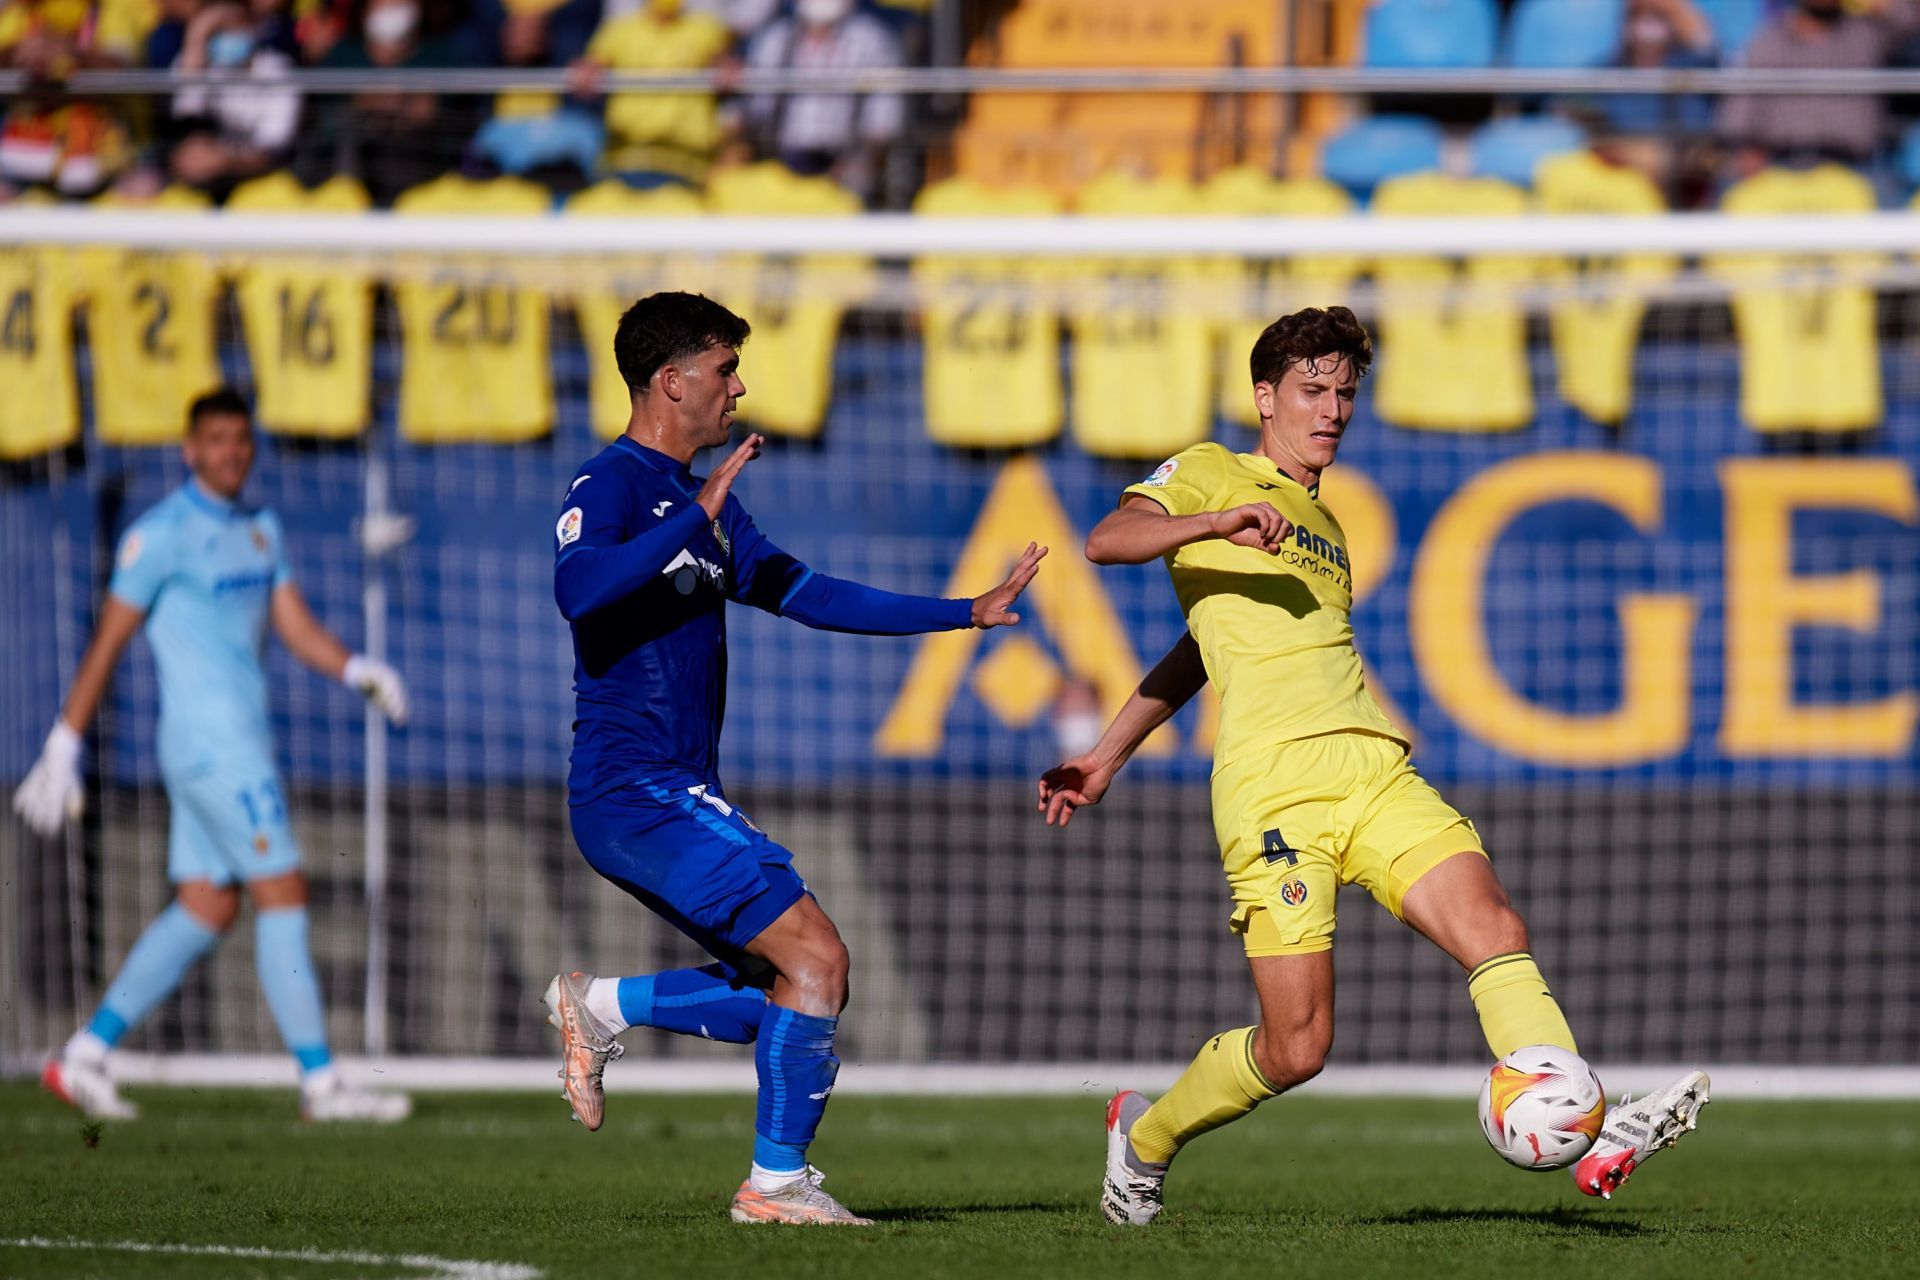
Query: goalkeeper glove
[379, 683]
[51, 793]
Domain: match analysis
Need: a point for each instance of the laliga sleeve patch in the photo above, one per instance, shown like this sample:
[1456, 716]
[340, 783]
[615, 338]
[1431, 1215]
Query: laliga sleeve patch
[129, 550]
[1162, 473]
[568, 530]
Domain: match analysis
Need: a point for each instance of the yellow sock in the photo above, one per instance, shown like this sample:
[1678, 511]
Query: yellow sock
[1516, 1009]
[1220, 1086]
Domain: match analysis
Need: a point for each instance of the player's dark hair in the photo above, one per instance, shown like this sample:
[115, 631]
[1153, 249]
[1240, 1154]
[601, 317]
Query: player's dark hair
[664, 327]
[1311, 335]
[220, 402]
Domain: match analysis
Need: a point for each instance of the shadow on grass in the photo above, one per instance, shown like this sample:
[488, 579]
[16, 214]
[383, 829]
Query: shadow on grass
[1572, 1221]
[955, 1212]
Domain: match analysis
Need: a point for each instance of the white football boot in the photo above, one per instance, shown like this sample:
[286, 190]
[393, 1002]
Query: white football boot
[334, 1099]
[586, 1046]
[1634, 1130]
[802, 1202]
[87, 1089]
[1130, 1196]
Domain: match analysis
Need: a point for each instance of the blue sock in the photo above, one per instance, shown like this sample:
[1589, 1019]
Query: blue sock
[285, 965]
[168, 948]
[794, 1057]
[694, 1002]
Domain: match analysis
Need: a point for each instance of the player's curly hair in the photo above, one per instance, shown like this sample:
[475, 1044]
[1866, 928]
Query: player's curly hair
[664, 327]
[1311, 334]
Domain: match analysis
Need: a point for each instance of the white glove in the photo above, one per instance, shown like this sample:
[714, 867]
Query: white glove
[51, 793]
[379, 683]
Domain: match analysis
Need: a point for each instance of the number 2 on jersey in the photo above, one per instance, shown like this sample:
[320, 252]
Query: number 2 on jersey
[156, 307]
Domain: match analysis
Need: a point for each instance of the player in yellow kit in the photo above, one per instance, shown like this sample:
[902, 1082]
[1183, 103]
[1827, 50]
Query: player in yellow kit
[1312, 787]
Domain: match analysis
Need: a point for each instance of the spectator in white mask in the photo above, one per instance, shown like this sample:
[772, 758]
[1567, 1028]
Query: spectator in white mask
[235, 130]
[842, 134]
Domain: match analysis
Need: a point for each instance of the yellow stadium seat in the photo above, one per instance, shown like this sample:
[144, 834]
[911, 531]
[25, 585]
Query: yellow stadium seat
[1166, 134]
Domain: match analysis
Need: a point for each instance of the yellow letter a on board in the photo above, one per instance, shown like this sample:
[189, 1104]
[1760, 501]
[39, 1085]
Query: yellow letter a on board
[1066, 597]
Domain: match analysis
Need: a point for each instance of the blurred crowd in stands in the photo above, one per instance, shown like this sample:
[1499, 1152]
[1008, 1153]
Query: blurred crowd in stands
[1693, 146]
[212, 137]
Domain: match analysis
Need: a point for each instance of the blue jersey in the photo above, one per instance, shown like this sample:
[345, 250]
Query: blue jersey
[203, 570]
[644, 576]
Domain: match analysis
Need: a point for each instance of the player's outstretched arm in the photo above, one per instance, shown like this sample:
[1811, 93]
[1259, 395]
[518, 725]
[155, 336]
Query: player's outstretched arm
[834, 604]
[308, 639]
[51, 792]
[1085, 778]
[1140, 529]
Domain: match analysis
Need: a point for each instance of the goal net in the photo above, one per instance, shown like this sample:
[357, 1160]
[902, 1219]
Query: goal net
[1635, 549]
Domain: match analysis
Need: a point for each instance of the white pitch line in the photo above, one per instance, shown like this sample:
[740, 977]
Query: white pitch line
[448, 1268]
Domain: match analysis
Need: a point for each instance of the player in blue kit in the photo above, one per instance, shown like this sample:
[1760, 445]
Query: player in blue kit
[206, 574]
[647, 555]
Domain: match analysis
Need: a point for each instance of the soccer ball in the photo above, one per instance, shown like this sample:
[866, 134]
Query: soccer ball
[1541, 1107]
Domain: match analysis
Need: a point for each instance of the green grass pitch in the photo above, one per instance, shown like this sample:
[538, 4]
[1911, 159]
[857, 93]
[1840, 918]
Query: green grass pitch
[1321, 1187]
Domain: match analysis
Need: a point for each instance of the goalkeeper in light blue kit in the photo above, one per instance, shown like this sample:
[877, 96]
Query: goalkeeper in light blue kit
[205, 574]
[646, 557]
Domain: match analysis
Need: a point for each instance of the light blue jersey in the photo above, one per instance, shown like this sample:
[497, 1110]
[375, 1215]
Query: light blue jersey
[203, 570]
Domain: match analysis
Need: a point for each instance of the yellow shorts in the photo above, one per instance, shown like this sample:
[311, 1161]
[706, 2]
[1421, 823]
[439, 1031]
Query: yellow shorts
[1297, 822]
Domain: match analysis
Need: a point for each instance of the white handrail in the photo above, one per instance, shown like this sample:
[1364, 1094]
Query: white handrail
[952, 80]
[907, 236]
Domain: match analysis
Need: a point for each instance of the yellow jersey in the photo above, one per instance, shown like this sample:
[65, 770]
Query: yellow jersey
[1142, 343]
[118, 27]
[1453, 337]
[1275, 631]
[476, 363]
[41, 408]
[641, 125]
[150, 325]
[793, 303]
[1820, 320]
[991, 338]
[619, 283]
[309, 328]
[1594, 336]
[1264, 289]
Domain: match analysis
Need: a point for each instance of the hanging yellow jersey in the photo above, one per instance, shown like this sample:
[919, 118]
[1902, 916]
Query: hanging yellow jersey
[309, 327]
[793, 303]
[1261, 290]
[40, 409]
[991, 337]
[1595, 331]
[1796, 312]
[621, 281]
[150, 327]
[1275, 631]
[476, 364]
[1142, 342]
[1453, 335]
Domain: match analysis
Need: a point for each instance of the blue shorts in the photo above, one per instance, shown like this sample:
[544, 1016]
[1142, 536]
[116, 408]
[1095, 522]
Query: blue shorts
[681, 848]
[229, 824]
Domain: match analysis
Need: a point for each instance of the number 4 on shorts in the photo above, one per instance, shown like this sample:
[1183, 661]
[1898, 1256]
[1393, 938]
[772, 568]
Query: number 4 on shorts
[1275, 847]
